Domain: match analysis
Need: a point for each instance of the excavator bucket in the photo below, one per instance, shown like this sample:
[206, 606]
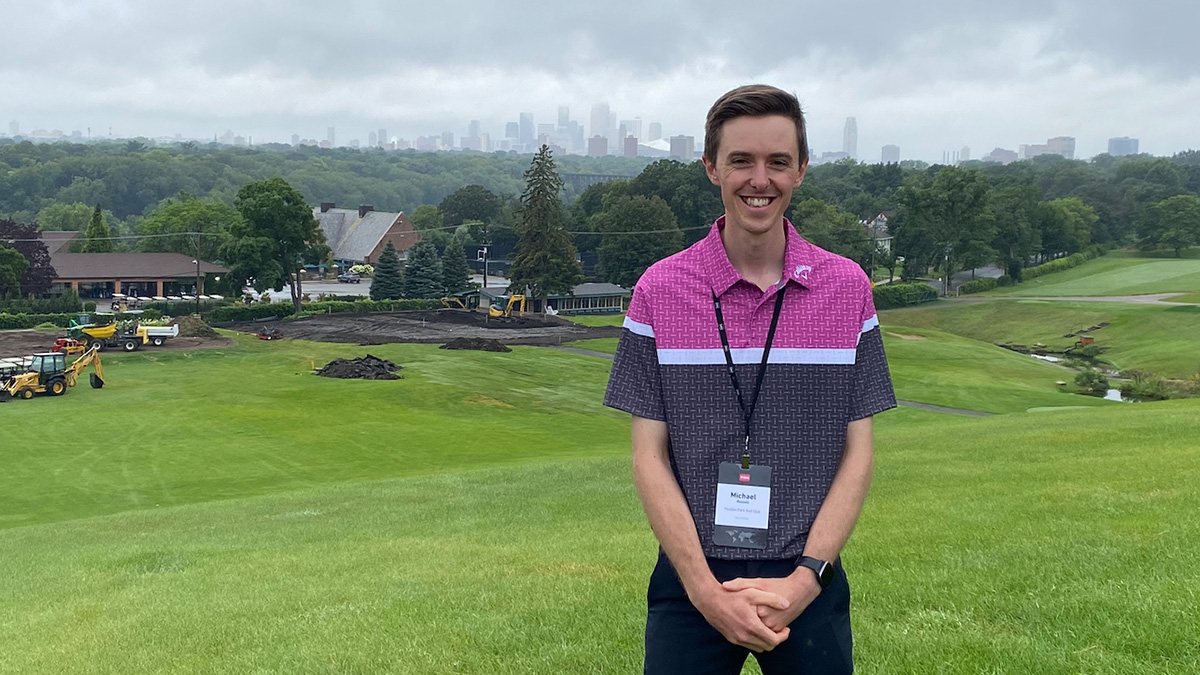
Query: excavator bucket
[5, 396]
[96, 382]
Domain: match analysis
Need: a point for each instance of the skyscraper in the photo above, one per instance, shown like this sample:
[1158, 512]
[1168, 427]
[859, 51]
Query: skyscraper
[564, 115]
[630, 148]
[633, 127]
[683, 148]
[1122, 145]
[14, 128]
[512, 130]
[597, 146]
[599, 125]
[655, 131]
[850, 138]
[329, 136]
[891, 154]
[1062, 145]
[964, 155]
[473, 129]
[526, 135]
[383, 138]
[295, 140]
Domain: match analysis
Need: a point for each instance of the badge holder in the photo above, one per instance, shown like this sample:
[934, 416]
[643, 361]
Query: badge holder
[743, 504]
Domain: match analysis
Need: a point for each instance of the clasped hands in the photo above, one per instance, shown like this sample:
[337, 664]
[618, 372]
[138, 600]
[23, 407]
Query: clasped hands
[755, 613]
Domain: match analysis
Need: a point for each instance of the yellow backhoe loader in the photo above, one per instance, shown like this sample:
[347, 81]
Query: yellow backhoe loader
[48, 374]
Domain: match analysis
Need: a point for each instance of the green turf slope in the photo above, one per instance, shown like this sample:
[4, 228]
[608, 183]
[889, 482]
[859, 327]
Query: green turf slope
[1162, 339]
[1118, 273]
[1014, 544]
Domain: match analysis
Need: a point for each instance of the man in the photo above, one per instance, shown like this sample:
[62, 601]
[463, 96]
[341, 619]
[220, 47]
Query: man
[752, 364]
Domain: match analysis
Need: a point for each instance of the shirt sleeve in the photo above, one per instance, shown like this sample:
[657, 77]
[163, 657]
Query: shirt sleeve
[634, 385]
[873, 391]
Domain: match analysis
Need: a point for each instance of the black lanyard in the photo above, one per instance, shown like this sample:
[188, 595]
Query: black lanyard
[748, 413]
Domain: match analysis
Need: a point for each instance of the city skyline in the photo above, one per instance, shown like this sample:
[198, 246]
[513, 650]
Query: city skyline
[935, 75]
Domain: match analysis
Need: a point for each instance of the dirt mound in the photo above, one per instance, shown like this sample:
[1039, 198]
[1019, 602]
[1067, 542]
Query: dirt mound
[478, 344]
[194, 326]
[366, 368]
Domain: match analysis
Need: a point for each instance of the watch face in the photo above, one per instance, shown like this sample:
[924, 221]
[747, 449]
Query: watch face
[825, 576]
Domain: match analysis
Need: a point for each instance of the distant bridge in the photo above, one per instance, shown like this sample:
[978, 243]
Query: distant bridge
[582, 181]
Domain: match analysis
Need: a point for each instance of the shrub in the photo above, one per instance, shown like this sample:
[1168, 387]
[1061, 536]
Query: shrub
[977, 286]
[1093, 382]
[236, 313]
[22, 320]
[1062, 264]
[1145, 386]
[891, 296]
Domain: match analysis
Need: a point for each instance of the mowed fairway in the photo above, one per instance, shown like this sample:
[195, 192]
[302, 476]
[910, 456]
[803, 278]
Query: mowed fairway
[1118, 273]
[230, 513]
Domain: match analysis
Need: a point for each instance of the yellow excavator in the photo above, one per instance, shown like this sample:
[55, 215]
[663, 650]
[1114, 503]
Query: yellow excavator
[509, 304]
[48, 374]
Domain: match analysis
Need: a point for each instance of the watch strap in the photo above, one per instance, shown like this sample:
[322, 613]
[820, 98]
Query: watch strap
[823, 569]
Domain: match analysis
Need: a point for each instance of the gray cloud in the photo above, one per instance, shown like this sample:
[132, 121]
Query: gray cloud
[929, 75]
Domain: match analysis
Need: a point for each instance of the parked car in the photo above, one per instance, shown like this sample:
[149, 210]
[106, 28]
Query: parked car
[349, 279]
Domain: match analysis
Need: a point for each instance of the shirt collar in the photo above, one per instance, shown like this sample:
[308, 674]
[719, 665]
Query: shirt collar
[798, 259]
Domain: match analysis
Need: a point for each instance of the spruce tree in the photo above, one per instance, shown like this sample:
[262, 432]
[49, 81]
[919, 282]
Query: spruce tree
[96, 237]
[546, 260]
[388, 281]
[423, 275]
[456, 273]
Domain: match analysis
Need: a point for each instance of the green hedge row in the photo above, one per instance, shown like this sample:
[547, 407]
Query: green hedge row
[891, 296]
[236, 313]
[22, 320]
[1062, 264]
[977, 286]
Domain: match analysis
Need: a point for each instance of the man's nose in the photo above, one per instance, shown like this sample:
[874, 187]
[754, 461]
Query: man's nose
[758, 178]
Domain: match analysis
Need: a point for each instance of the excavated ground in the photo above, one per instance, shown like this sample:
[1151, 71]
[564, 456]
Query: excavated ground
[438, 327]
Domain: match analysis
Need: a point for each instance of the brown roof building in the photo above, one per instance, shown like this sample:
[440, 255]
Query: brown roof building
[97, 275]
[360, 235]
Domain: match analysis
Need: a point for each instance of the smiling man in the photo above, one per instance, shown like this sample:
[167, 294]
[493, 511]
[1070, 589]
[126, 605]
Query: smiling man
[752, 364]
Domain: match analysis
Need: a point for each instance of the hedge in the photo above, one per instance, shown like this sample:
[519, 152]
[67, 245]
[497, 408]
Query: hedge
[18, 321]
[891, 296]
[1062, 264]
[234, 314]
[977, 286]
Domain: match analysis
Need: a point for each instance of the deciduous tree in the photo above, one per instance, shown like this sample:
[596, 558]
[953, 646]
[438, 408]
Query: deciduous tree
[12, 268]
[1173, 223]
[39, 273]
[834, 230]
[276, 236]
[473, 202]
[196, 226]
[635, 232]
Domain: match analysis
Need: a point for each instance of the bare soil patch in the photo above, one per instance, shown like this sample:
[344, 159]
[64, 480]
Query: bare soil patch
[364, 368]
[436, 327]
[26, 342]
[477, 344]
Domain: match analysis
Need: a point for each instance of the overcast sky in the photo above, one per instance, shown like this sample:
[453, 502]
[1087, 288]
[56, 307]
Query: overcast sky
[929, 76]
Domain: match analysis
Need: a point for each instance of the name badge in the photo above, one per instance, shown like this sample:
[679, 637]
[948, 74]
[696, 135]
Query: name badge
[743, 506]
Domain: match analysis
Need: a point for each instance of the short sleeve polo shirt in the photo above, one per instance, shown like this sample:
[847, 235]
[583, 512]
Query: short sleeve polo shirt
[826, 368]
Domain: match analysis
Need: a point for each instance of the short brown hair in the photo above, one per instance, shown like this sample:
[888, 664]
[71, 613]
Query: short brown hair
[753, 100]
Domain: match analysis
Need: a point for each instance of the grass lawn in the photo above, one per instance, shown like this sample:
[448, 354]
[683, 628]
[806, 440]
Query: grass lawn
[1157, 338]
[1118, 273]
[599, 319]
[606, 345]
[987, 545]
[174, 428]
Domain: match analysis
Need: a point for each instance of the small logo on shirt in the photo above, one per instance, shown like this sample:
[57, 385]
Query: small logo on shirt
[743, 478]
[802, 272]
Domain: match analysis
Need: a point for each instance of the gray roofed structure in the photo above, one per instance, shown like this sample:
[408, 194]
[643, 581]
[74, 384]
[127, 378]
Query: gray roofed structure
[72, 266]
[360, 235]
[58, 240]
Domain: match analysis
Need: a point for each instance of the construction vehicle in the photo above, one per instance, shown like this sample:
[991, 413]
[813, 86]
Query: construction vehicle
[509, 303]
[453, 302]
[69, 346]
[128, 339]
[48, 374]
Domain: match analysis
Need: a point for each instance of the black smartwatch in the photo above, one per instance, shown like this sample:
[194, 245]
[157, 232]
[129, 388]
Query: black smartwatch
[822, 569]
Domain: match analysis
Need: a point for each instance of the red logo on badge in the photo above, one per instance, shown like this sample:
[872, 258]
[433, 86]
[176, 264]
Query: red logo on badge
[744, 477]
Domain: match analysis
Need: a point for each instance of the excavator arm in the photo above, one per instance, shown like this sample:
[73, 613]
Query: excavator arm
[92, 358]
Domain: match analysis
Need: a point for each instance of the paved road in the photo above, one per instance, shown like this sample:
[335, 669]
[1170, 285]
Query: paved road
[1154, 299]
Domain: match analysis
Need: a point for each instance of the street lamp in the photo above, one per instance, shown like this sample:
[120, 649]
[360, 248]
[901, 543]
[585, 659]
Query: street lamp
[197, 263]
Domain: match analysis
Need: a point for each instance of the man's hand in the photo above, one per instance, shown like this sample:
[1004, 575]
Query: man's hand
[799, 590]
[735, 613]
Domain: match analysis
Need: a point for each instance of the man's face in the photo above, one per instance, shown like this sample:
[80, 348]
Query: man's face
[758, 166]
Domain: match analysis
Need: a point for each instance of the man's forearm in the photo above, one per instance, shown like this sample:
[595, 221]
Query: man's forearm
[839, 512]
[666, 508]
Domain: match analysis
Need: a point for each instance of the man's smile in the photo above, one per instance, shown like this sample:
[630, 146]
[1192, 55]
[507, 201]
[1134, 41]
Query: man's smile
[757, 202]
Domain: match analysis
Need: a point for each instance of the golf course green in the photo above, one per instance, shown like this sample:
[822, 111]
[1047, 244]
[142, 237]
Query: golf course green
[227, 511]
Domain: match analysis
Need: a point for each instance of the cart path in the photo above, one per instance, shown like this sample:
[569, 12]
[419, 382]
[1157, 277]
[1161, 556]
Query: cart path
[906, 404]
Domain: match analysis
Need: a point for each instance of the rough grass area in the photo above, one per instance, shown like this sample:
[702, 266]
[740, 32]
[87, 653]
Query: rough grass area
[606, 345]
[1015, 544]
[1157, 338]
[1118, 273]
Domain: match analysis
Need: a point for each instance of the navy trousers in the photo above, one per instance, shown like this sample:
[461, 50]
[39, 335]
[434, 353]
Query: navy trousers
[680, 641]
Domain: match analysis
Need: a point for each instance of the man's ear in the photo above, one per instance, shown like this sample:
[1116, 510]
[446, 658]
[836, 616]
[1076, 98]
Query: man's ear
[711, 169]
[800, 176]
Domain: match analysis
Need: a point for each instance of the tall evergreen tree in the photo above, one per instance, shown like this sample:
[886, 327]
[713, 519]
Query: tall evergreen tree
[456, 273]
[423, 275]
[97, 236]
[545, 262]
[388, 281]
